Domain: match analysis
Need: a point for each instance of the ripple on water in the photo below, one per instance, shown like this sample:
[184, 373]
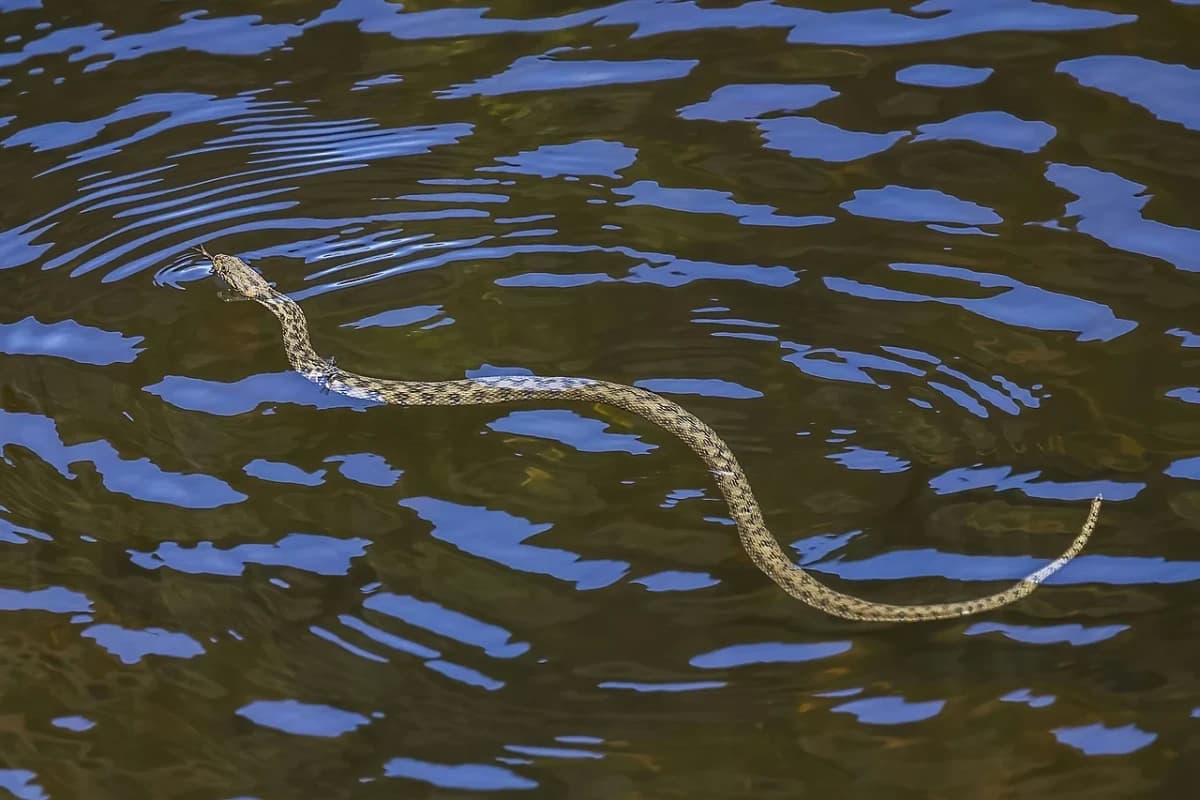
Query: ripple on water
[547, 72]
[572, 429]
[890, 710]
[131, 646]
[1050, 634]
[1099, 740]
[21, 782]
[767, 653]
[54, 599]
[500, 537]
[1020, 304]
[902, 258]
[70, 340]
[1109, 208]
[315, 553]
[139, 478]
[1161, 89]
[589, 157]
[943, 76]
[467, 777]
[302, 719]
[249, 394]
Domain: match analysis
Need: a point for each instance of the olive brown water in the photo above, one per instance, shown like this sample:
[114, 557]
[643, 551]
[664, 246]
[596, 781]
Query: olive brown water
[928, 270]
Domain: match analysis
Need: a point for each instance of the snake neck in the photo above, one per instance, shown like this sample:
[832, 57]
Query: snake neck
[300, 353]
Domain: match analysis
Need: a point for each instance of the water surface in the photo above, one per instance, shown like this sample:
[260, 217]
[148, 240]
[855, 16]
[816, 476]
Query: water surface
[929, 269]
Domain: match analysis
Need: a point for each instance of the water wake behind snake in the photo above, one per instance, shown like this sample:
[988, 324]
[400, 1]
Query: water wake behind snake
[757, 540]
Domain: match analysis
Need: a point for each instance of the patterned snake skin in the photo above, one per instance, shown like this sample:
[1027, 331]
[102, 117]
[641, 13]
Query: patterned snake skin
[758, 542]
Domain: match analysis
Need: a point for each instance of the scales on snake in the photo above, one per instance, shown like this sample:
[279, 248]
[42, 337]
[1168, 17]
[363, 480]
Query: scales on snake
[762, 547]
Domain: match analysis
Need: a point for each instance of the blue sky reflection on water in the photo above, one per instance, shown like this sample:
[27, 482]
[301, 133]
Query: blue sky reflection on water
[302, 719]
[500, 537]
[131, 646]
[68, 339]
[927, 269]
[316, 553]
[139, 477]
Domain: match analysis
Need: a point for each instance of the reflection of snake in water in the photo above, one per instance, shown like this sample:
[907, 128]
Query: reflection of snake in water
[760, 545]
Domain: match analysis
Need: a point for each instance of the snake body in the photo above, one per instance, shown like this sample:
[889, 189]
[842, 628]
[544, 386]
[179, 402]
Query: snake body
[756, 539]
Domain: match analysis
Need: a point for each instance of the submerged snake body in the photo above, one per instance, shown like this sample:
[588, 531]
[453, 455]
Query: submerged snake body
[757, 540]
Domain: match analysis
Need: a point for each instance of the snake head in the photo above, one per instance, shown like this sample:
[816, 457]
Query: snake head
[236, 275]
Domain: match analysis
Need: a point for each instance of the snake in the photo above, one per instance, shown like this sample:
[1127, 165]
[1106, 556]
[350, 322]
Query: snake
[243, 281]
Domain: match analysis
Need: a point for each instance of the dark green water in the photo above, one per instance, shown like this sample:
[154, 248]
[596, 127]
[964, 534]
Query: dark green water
[930, 270]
